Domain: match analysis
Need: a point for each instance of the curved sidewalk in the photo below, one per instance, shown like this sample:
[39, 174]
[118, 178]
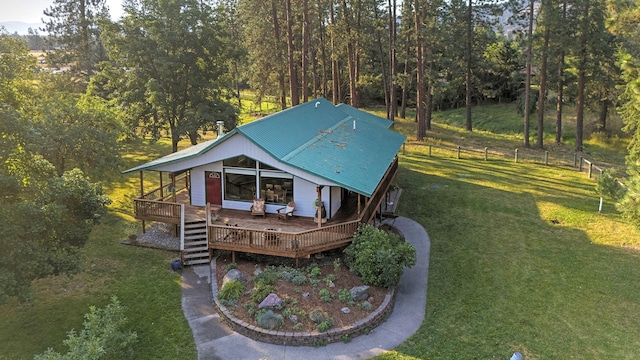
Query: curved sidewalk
[215, 340]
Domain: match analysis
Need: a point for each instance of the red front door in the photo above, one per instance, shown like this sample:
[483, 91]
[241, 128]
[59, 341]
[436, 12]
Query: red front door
[214, 187]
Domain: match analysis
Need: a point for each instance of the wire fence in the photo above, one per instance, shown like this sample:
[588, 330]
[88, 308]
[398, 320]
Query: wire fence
[543, 157]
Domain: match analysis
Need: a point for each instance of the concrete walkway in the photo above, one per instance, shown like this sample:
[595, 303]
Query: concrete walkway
[215, 340]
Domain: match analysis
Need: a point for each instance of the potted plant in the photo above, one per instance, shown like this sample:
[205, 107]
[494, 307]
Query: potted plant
[317, 203]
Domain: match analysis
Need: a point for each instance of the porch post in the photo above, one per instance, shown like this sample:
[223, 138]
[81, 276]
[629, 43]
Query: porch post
[173, 183]
[161, 187]
[142, 196]
[358, 204]
[319, 210]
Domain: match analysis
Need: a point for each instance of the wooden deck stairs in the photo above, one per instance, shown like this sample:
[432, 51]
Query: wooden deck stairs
[196, 247]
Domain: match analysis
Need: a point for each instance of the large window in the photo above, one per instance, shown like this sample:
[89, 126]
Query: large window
[241, 178]
[276, 188]
[239, 186]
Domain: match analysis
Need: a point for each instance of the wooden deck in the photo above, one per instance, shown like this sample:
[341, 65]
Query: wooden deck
[237, 230]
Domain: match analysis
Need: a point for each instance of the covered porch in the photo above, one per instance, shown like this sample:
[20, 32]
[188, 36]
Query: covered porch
[237, 230]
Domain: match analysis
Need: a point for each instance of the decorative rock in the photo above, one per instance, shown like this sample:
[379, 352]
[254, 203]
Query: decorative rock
[370, 299]
[305, 295]
[234, 274]
[293, 318]
[359, 293]
[272, 300]
[257, 271]
[345, 310]
[331, 284]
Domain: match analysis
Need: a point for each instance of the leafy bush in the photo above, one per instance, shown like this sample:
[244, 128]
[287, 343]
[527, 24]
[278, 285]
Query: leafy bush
[325, 295]
[261, 291]
[268, 277]
[231, 291]
[104, 336]
[365, 305]
[345, 296]
[230, 266]
[269, 320]
[317, 315]
[314, 270]
[379, 257]
[325, 325]
[329, 279]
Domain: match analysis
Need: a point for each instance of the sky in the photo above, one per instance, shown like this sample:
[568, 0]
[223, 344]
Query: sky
[30, 11]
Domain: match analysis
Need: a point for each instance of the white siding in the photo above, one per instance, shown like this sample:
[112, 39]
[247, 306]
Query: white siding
[304, 184]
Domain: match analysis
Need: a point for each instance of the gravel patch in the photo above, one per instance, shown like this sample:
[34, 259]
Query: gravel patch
[158, 236]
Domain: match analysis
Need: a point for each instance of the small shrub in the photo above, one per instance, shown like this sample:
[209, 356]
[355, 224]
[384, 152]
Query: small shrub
[297, 327]
[317, 315]
[314, 282]
[251, 308]
[365, 305]
[230, 266]
[344, 296]
[329, 279]
[325, 325]
[379, 257]
[325, 295]
[231, 291]
[299, 279]
[268, 277]
[261, 291]
[287, 312]
[269, 320]
[104, 336]
[346, 338]
[336, 265]
[314, 271]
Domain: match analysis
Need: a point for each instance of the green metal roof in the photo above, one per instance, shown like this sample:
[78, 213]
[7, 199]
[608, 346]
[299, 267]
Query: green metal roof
[320, 139]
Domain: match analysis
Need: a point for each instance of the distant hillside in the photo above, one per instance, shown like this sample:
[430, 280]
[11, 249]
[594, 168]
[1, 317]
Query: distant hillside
[20, 27]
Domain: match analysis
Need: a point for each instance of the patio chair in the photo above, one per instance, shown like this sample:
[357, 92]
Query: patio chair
[258, 207]
[285, 212]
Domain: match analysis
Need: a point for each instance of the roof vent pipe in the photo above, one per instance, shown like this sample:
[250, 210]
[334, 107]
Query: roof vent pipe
[220, 128]
[354, 125]
[317, 104]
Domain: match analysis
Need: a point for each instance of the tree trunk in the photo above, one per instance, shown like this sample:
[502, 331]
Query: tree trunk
[276, 33]
[582, 78]
[468, 50]
[383, 66]
[601, 126]
[335, 76]
[405, 85]
[293, 74]
[393, 110]
[527, 89]
[420, 88]
[306, 39]
[543, 82]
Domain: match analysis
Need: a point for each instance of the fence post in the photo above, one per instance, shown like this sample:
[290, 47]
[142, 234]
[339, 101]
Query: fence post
[575, 160]
[429, 150]
[580, 167]
[516, 155]
[458, 152]
[486, 153]
[546, 157]
[590, 170]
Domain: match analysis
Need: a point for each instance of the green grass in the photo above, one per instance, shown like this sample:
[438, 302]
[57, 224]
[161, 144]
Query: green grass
[502, 276]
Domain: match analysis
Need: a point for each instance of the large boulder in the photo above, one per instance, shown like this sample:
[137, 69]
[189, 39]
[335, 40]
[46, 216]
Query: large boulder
[359, 293]
[272, 300]
[234, 275]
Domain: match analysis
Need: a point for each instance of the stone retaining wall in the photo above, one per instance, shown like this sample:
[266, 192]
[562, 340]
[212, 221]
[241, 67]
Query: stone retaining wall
[303, 338]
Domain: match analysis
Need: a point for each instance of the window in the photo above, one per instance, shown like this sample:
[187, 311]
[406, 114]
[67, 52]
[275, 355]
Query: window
[239, 186]
[276, 188]
[240, 162]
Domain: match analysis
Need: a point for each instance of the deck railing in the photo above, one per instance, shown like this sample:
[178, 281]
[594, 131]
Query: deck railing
[274, 242]
[154, 206]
